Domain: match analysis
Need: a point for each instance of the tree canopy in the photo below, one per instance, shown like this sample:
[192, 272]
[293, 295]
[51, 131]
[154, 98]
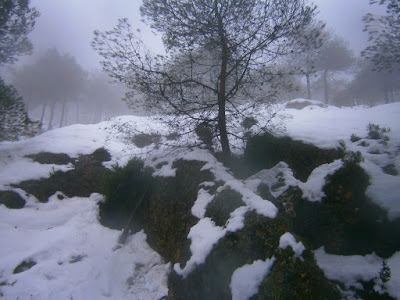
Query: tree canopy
[384, 36]
[218, 53]
[14, 120]
[17, 20]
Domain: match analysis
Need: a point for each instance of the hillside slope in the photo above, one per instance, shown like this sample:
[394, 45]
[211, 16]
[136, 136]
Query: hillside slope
[54, 246]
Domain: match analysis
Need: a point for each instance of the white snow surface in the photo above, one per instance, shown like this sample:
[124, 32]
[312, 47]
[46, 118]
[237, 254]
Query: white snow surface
[288, 240]
[55, 233]
[74, 256]
[246, 279]
[350, 269]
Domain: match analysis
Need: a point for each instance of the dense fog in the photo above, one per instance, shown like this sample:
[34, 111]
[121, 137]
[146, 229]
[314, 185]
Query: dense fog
[62, 83]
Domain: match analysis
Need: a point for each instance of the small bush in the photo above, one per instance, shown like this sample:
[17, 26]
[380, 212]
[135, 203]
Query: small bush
[205, 134]
[352, 158]
[354, 138]
[375, 132]
[24, 266]
[265, 151]
[223, 204]
[123, 188]
[173, 136]
[390, 169]
[249, 122]
[363, 144]
[143, 139]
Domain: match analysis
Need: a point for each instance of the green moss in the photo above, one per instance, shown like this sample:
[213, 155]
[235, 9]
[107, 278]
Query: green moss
[142, 140]
[265, 151]
[346, 222]
[390, 169]
[24, 266]
[168, 216]
[248, 122]
[257, 240]
[295, 278]
[123, 188]
[222, 205]
[85, 179]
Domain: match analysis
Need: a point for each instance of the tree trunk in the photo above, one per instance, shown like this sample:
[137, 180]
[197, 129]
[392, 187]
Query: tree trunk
[77, 112]
[223, 133]
[50, 127]
[43, 111]
[308, 87]
[326, 87]
[62, 113]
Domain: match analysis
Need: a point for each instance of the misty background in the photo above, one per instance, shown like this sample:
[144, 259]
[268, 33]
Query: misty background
[62, 82]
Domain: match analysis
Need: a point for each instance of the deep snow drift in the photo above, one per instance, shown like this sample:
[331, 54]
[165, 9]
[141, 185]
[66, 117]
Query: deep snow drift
[75, 256]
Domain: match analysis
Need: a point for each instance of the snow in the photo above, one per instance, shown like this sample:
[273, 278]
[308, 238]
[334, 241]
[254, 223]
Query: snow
[199, 207]
[324, 127]
[246, 279]
[204, 236]
[55, 233]
[288, 240]
[282, 174]
[74, 256]
[350, 269]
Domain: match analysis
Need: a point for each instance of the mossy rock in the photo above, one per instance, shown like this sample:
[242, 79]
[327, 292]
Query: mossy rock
[168, 216]
[11, 199]
[346, 222]
[223, 204]
[126, 190]
[51, 158]
[86, 178]
[24, 266]
[257, 240]
[142, 140]
[296, 278]
[265, 151]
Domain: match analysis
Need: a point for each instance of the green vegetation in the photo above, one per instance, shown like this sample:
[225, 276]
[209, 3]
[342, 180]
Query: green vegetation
[222, 205]
[265, 151]
[123, 188]
[142, 140]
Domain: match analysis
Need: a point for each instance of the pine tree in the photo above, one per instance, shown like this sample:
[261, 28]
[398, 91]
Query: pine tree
[384, 36]
[17, 20]
[238, 38]
[14, 120]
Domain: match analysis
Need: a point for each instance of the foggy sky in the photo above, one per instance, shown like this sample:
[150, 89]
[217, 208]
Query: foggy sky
[68, 25]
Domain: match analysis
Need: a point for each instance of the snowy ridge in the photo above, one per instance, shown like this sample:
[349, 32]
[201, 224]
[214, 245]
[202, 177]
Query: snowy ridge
[73, 252]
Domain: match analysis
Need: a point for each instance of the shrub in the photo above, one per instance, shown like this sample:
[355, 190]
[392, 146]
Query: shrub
[375, 132]
[352, 158]
[249, 122]
[265, 151]
[354, 138]
[390, 169]
[205, 134]
[123, 189]
[143, 139]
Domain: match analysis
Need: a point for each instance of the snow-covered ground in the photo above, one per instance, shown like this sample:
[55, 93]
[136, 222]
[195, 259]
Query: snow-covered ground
[75, 256]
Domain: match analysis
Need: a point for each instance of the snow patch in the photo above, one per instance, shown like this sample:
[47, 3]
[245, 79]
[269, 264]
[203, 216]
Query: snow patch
[350, 269]
[246, 279]
[288, 240]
